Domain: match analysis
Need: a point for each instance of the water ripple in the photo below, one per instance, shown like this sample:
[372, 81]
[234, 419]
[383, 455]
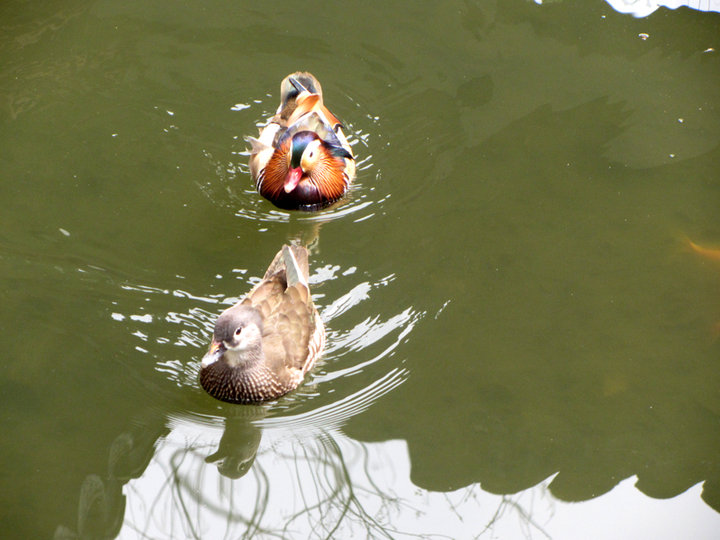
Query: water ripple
[173, 326]
[335, 414]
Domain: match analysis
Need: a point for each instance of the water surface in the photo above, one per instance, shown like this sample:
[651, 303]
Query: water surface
[520, 340]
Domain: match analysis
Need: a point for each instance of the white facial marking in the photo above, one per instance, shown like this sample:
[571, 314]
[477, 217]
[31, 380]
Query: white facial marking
[248, 337]
[310, 155]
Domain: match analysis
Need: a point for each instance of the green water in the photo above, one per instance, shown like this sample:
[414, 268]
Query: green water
[520, 341]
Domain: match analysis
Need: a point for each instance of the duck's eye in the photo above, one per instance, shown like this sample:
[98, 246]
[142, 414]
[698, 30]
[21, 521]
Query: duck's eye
[311, 154]
[238, 331]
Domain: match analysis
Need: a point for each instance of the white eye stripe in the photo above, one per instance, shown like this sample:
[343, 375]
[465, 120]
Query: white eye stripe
[311, 148]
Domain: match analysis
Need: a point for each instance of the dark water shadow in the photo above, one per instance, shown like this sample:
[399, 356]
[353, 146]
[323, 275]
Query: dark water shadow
[522, 410]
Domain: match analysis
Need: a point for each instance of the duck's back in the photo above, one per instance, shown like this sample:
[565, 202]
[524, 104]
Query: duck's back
[293, 334]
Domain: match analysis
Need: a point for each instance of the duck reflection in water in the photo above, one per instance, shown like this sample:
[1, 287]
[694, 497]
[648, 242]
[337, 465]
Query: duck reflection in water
[102, 501]
[239, 443]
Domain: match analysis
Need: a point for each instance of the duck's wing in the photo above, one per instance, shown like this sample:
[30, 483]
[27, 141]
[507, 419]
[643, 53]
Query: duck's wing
[307, 103]
[290, 260]
[297, 270]
[317, 123]
[300, 90]
[298, 82]
[293, 334]
[261, 147]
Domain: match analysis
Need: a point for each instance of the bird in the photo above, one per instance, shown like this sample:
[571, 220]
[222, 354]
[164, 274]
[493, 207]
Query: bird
[263, 346]
[301, 159]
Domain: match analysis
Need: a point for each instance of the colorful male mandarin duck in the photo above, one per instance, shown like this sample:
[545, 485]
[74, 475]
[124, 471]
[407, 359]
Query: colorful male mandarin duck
[301, 159]
[263, 346]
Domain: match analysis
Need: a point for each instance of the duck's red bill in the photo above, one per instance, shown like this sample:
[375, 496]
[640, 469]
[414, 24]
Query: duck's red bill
[292, 179]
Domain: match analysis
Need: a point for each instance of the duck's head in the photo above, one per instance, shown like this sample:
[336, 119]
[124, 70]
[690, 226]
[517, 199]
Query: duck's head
[309, 153]
[237, 338]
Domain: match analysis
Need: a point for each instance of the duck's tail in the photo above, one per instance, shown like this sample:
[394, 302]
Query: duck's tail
[296, 265]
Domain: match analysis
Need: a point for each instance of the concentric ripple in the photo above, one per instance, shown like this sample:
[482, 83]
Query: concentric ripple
[359, 365]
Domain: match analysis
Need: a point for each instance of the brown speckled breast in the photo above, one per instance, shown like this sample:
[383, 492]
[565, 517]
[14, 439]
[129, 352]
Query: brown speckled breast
[236, 385]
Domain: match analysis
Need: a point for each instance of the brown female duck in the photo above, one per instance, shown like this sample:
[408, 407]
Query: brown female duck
[301, 160]
[263, 345]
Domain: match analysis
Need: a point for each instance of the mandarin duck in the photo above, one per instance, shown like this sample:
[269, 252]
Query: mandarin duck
[263, 346]
[301, 160]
